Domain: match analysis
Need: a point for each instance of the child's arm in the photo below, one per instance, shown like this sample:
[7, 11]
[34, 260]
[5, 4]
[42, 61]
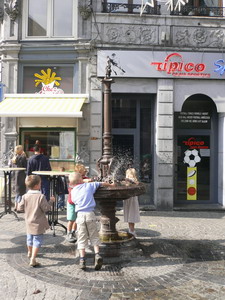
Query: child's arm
[21, 205]
[46, 205]
[107, 184]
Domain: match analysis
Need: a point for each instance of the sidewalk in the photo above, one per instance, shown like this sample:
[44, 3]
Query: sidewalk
[181, 256]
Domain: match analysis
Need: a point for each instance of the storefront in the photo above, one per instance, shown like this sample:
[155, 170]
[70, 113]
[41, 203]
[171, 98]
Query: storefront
[182, 128]
[48, 119]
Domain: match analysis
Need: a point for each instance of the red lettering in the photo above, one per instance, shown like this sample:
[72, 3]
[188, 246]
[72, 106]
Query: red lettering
[178, 68]
[189, 67]
[200, 67]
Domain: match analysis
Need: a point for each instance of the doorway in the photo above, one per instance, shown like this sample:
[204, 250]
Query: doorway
[132, 129]
[196, 148]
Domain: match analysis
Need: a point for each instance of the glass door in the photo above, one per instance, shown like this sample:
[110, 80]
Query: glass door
[196, 151]
[194, 168]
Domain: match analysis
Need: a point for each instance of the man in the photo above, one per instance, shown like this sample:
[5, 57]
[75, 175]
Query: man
[40, 162]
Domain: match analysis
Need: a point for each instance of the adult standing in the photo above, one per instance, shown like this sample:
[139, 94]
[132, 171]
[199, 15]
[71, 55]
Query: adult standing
[19, 160]
[40, 162]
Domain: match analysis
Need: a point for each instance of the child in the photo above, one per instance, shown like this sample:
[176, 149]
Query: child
[131, 205]
[71, 214]
[71, 217]
[35, 206]
[83, 171]
[83, 198]
[61, 189]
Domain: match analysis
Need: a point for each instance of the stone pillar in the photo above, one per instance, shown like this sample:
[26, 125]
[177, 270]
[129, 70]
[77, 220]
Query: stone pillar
[221, 165]
[9, 79]
[95, 116]
[164, 164]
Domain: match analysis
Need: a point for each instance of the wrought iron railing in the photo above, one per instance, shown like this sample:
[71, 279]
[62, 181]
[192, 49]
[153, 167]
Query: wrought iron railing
[108, 7]
[189, 10]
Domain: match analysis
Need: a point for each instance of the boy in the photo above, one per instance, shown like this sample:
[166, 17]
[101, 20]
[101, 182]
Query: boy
[71, 214]
[83, 198]
[35, 206]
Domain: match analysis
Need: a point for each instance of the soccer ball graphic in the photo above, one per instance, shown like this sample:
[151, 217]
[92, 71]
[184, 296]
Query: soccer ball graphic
[191, 157]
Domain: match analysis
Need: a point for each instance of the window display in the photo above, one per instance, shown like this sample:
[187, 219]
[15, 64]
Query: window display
[57, 144]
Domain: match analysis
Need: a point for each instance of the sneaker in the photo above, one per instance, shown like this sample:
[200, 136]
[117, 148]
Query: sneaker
[133, 233]
[98, 262]
[82, 264]
[34, 263]
[70, 238]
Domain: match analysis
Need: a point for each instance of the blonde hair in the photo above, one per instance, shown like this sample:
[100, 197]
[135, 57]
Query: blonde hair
[32, 180]
[75, 178]
[80, 169]
[17, 150]
[132, 174]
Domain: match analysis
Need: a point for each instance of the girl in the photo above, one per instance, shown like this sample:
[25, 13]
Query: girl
[131, 205]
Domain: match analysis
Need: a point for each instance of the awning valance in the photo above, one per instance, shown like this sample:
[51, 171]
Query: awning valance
[32, 105]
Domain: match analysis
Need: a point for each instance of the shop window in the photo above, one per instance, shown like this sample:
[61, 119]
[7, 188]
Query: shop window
[124, 112]
[49, 18]
[57, 144]
[64, 72]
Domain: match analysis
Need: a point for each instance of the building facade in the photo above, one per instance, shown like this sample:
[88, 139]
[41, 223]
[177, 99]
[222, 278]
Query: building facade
[168, 102]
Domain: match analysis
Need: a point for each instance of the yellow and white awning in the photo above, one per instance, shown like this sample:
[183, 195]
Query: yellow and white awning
[39, 105]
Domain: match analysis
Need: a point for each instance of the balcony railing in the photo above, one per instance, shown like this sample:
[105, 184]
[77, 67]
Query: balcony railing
[108, 7]
[188, 10]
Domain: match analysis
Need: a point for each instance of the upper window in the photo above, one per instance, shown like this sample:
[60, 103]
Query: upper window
[35, 76]
[50, 18]
[128, 6]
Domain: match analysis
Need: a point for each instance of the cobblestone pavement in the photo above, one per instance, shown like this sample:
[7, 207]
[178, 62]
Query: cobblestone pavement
[180, 255]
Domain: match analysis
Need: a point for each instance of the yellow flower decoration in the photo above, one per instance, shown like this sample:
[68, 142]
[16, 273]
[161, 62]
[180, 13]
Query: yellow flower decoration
[46, 77]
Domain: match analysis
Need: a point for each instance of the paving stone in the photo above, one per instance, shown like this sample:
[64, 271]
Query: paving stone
[182, 256]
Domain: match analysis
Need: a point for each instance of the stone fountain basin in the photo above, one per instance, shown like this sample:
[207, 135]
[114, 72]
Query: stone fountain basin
[120, 192]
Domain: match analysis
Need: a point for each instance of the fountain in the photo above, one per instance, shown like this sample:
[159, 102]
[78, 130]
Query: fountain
[112, 241]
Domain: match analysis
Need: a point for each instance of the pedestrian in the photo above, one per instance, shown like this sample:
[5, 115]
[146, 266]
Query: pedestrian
[131, 205]
[61, 189]
[19, 160]
[83, 198]
[40, 162]
[35, 205]
[71, 214]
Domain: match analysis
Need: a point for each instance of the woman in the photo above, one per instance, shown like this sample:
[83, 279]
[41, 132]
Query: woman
[19, 160]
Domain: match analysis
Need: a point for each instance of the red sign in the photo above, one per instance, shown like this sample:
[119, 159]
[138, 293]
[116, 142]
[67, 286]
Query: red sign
[193, 144]
[179, 68]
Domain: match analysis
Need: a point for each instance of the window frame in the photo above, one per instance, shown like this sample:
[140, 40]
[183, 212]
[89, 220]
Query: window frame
[50, 23]
[59, 129]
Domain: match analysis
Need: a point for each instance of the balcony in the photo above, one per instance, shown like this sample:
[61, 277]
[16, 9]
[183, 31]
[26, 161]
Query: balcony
[189, 10]
[111, 7]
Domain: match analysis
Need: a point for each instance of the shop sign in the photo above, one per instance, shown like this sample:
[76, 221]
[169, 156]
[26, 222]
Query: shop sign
[192, 120]
[192, 143]
[48, 79]
[161, 64]
[178, 67]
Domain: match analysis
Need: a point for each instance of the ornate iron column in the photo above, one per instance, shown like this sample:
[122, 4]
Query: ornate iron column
[105, 161]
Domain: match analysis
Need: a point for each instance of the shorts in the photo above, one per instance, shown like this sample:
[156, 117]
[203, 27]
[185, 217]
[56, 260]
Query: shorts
[34, 240]
[71, 214]
[87, 229]
[18, 198]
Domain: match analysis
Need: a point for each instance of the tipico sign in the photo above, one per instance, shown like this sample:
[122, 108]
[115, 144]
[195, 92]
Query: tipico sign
[158, 64]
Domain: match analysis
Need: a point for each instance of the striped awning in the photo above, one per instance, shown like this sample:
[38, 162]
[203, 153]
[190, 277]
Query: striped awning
[36, 105]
